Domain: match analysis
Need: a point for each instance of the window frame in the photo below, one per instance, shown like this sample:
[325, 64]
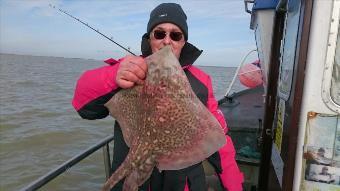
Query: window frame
[330, 58]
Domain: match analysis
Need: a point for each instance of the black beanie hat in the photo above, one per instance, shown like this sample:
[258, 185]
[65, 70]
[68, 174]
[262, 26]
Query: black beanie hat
[168, 13]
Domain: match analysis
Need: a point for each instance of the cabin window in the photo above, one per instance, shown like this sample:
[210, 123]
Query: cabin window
[289, 49]
[335, 84]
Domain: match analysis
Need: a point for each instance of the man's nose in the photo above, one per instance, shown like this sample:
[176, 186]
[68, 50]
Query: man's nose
[167, 39]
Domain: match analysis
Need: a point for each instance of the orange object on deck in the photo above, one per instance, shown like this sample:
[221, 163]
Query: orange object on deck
[250, 75]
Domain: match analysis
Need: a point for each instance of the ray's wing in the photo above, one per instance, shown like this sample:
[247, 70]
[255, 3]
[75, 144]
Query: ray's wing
[123, 107]
[200, 136]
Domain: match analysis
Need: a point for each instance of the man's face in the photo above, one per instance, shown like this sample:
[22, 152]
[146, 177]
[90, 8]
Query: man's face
[175, 40]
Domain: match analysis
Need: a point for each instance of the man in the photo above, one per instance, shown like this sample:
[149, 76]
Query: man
[167, 26]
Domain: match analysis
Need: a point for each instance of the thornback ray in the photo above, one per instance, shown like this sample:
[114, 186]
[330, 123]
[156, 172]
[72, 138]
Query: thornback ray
[163, 122]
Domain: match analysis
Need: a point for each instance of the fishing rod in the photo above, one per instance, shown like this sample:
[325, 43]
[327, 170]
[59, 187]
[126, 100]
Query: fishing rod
[96, 30]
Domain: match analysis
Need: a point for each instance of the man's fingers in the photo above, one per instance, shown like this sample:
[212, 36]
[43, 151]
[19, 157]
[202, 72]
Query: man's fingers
[125, 84]
[130, 76]
[142, 64]
[138, 69]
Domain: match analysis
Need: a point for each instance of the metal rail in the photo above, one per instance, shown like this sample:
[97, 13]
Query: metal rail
[104, 143]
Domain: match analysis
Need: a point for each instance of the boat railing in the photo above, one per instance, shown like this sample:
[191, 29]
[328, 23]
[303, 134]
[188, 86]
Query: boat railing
[104, 144]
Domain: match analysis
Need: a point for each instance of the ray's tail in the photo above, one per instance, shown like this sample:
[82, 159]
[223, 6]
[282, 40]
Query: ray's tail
[131, 162]
[123, 170]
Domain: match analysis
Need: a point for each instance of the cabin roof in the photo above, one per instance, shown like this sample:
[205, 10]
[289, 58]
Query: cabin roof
[265, 4]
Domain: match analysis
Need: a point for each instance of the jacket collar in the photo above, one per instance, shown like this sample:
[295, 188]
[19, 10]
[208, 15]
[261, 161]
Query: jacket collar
[188, 55]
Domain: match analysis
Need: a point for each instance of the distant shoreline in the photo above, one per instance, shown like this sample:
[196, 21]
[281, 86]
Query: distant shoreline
[48, 56]
[91, 59]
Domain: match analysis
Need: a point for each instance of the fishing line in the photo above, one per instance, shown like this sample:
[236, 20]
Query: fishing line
[96, 30]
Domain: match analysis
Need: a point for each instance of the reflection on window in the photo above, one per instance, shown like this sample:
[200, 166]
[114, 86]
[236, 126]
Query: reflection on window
[335, 87]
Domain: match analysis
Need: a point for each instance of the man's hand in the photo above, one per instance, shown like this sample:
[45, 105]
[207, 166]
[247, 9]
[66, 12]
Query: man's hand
[132, 70]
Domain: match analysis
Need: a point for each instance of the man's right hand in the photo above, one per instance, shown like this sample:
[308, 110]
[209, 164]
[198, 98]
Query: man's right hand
[132, 70]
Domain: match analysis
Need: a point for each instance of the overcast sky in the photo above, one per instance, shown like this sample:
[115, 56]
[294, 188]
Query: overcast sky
[219, 27]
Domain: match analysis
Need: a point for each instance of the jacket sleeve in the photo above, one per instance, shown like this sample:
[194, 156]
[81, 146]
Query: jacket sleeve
[213, 107]
[93, 89]
[224, 159]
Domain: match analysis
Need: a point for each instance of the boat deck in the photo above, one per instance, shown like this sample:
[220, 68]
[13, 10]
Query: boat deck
[244, 114]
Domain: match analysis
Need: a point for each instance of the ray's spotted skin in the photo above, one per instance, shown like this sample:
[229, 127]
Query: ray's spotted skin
[163, 122]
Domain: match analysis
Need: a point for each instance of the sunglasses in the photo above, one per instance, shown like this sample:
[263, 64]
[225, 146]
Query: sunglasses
[175, 36]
